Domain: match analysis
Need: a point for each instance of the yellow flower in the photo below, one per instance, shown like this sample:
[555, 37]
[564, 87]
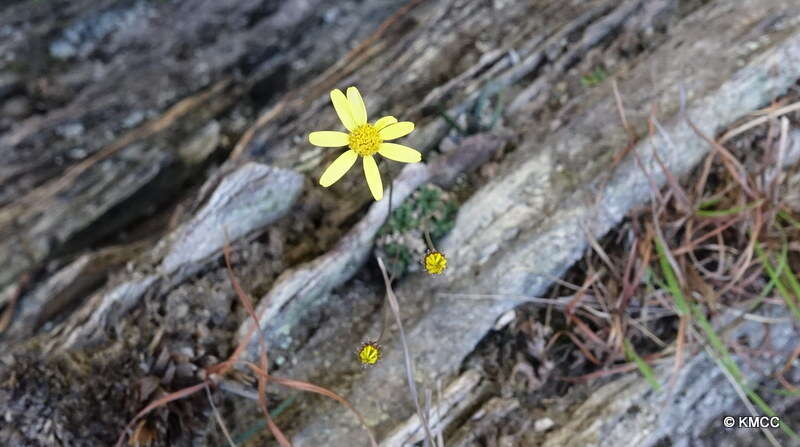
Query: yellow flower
[435, 262]
[364, 140]
[369, 353]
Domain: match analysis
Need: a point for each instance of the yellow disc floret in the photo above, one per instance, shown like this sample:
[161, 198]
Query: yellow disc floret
[369, 353]
[435, 262]
[365, 140]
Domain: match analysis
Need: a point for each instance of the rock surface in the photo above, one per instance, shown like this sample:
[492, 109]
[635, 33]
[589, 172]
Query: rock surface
[136, 136]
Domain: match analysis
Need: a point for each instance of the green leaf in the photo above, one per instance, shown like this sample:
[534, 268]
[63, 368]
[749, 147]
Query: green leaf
[728, 212]
[644, 368]
[672, 280]
[775, 275]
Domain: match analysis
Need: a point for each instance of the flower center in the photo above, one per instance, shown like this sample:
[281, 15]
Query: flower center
[435, 262]
[365, 140]
[369, 353]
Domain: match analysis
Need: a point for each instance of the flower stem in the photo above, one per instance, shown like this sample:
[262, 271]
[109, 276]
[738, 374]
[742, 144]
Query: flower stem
[428, 241]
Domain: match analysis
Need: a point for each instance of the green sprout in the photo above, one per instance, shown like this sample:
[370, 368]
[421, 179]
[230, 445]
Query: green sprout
[594, 77]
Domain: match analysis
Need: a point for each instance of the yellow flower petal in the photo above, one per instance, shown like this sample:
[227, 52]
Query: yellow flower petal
[369, 353]
[328, 138]
[398, 152]
[338, 168]
[342, 107]
[396, 130]
[373, 177]
[357, 107]
[435, 262]
[384, 121]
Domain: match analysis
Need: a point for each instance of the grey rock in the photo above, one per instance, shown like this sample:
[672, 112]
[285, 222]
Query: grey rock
[9, 82]
[62, 49]
[629, 411]
[16, 107]
[245, 201]
[248, 199]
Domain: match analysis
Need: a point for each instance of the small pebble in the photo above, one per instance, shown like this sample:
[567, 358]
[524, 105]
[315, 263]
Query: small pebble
[505, 319]
[61, 49]
[543, 424]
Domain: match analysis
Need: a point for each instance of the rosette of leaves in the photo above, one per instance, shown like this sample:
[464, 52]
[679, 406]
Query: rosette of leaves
[401, 240]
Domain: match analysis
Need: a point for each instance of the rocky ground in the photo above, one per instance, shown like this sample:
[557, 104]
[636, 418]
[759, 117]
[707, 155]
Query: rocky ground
[137, 137]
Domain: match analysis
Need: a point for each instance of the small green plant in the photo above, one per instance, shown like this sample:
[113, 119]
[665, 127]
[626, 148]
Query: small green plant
[594, 77]
[400, 257]
[641, 364]
[483, 114]
[402, 238]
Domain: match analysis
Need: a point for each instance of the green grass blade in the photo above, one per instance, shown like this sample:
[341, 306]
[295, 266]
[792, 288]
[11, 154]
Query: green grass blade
[644, 368]
[733, 369]
[245, 436]
[714, 340]
[789, 218]
[775, 277]
[672, 280]
[728, 212]
[788, 393]
[791, 278]
[710, 202]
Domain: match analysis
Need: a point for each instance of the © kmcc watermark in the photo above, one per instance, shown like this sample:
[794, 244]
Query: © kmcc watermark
[751, 422]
